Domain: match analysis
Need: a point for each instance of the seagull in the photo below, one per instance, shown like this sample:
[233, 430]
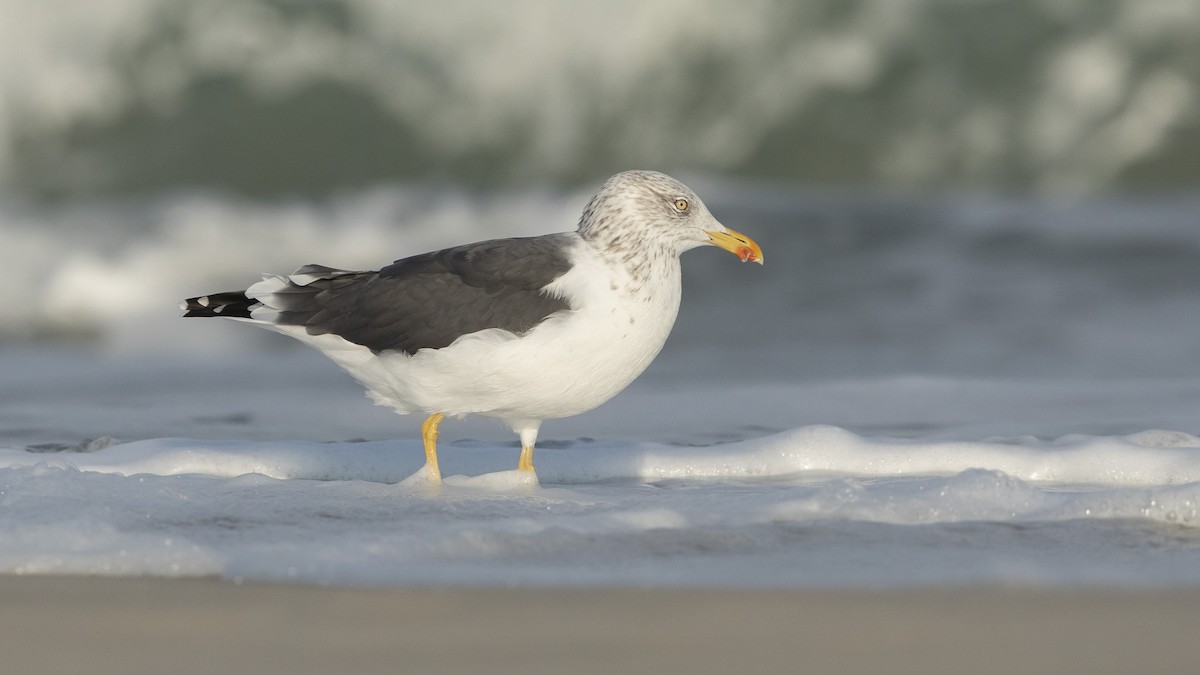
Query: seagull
[523, 329]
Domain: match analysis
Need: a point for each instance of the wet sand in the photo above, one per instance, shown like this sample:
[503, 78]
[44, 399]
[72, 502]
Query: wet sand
[67, 625]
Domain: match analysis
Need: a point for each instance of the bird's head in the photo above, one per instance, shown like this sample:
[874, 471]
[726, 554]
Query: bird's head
[639, 208]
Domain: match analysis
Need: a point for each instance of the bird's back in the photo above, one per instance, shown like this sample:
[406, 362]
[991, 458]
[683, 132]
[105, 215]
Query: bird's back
[422, 302]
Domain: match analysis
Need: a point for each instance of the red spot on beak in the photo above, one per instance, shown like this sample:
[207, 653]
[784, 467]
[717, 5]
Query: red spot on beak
[745, 248]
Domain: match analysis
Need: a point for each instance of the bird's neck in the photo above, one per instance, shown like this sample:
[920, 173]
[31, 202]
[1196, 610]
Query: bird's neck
[642, 258]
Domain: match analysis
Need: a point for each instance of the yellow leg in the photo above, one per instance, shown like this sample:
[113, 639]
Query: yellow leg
[526, 461]
[429, 434]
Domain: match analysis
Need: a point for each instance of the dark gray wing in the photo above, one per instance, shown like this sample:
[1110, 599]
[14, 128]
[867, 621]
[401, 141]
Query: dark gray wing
[429, 300]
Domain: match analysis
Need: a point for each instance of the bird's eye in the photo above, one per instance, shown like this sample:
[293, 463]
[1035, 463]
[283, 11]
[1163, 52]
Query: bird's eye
[681, 205]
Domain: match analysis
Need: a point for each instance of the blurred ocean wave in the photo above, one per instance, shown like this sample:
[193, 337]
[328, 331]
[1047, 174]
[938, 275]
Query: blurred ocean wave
[263, 97]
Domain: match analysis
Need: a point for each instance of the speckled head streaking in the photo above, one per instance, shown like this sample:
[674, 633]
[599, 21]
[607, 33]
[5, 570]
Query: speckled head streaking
[652, 214]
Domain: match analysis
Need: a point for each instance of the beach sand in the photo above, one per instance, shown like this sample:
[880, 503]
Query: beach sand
[102, 625]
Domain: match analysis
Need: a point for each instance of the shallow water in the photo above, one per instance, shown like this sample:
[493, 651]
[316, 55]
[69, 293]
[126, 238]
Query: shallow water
[259, 469]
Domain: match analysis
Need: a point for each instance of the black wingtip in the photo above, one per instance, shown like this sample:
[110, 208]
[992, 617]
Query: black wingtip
[234, 305]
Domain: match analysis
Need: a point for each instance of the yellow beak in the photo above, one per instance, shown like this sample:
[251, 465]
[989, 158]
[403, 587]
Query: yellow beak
[738, 244]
